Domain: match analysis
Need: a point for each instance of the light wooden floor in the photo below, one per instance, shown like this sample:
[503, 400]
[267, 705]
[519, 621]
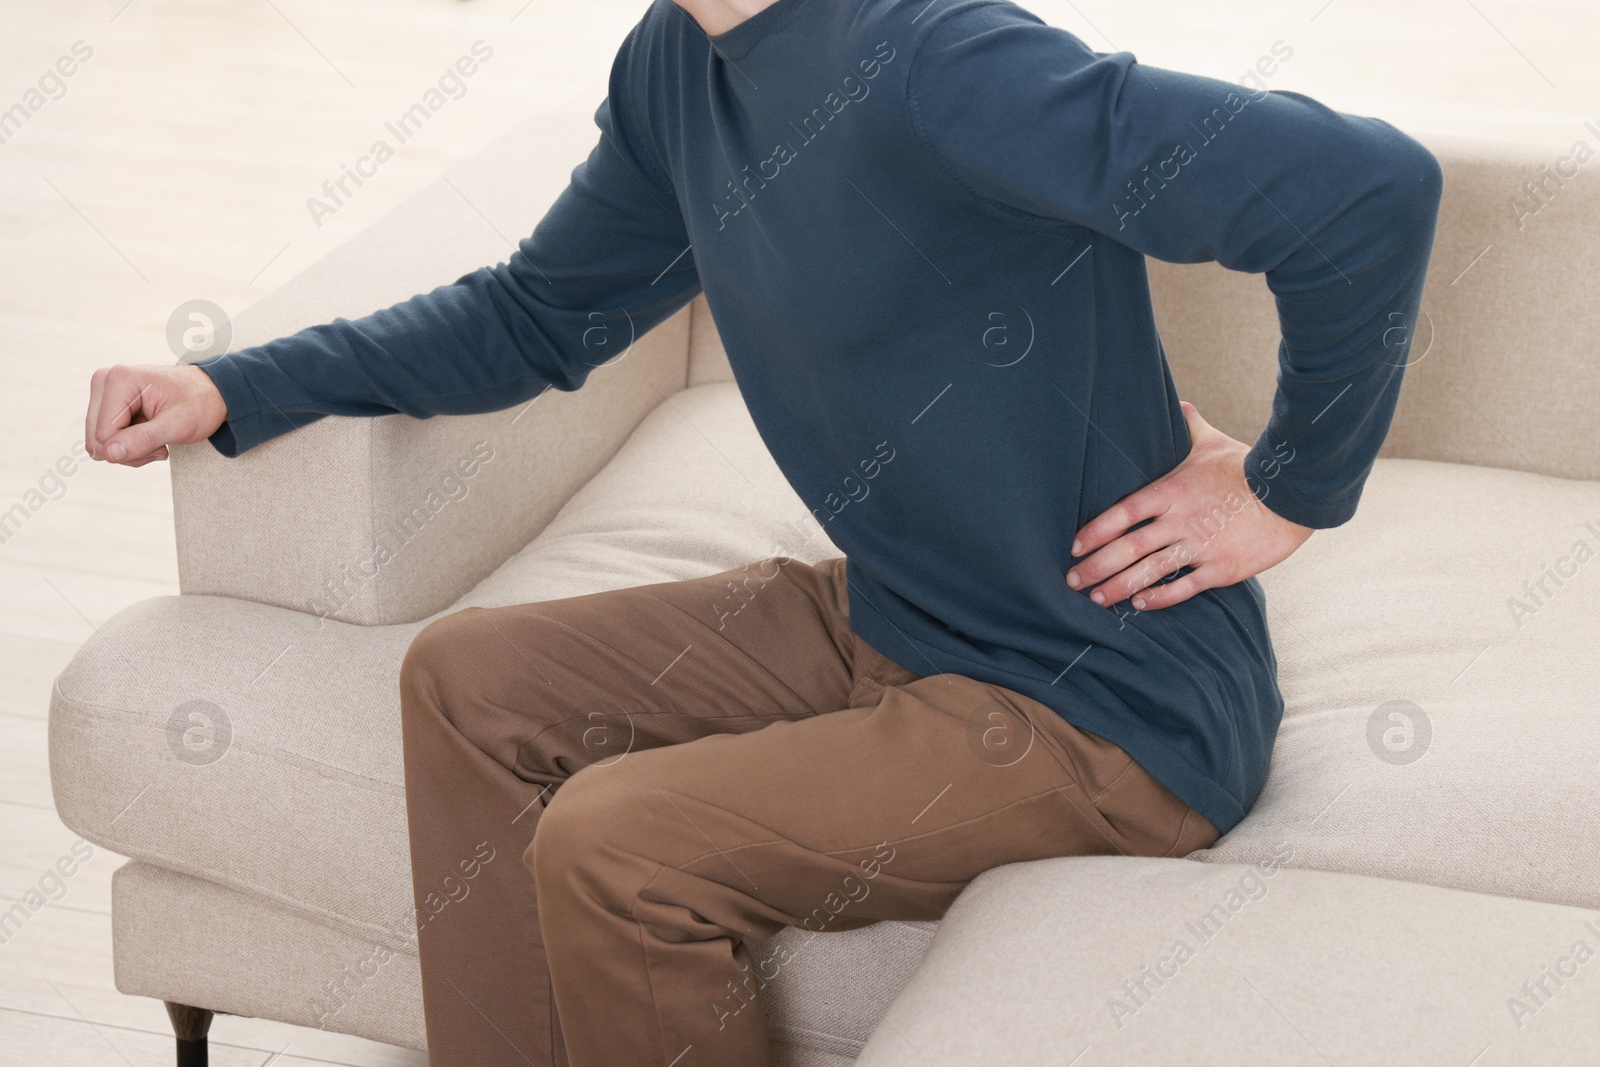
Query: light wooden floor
[177, 166]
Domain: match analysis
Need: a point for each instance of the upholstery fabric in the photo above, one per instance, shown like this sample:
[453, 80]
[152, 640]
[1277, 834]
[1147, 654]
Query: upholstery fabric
[196, 942]
[1287, 968]
[1489, 781]
[192, 941]
[708, 360]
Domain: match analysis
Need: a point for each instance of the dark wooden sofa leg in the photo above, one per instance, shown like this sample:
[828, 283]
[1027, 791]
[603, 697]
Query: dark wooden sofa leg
[191, 1025]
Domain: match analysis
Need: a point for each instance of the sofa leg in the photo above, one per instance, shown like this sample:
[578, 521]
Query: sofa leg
[191, 1026]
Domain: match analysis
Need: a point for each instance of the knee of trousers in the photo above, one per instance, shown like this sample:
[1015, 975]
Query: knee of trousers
[442, 679]
[593, 837]
[434, 659]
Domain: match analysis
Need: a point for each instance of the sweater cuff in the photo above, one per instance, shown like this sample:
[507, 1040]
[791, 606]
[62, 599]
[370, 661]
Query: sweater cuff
[241, 430]
[1266, 472]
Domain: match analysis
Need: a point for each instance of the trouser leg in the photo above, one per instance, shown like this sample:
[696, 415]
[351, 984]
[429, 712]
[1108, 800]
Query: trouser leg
[655, 871]
[501, 706]
[486, 989]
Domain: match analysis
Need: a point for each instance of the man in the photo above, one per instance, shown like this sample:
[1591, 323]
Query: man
[1044, 636]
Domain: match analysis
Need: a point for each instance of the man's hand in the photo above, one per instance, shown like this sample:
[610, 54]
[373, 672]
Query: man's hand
[1204, 516]
[135, 412]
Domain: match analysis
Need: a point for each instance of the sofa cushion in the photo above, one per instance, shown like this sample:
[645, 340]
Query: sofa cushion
[1437, 655]
[1131, 962]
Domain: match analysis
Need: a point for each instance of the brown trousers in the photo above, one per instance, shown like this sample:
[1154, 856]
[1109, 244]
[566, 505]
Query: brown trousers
[609, 794]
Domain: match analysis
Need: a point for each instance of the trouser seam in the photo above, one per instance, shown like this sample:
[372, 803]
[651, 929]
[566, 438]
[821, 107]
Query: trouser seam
[1095, 800]
[644, 957]
[1178, 838]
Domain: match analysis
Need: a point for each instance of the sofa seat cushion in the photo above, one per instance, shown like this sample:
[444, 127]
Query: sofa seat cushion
[1131, 962]
[1438, 658]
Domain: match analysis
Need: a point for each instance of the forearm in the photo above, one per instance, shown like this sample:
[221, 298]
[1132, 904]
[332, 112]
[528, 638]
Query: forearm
[608, 262]
[486, 342]
[1348, 306]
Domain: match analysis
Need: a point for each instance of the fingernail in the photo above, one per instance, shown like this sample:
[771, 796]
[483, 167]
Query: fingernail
[116, 450]
[1098, 597]
[1138, 602]
[1073, 580]
[1077, 548]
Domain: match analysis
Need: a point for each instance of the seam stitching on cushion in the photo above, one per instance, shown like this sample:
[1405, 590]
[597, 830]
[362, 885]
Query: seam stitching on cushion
[343, 772]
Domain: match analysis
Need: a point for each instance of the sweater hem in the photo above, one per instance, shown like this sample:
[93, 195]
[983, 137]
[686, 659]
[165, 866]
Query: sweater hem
[1188, 783]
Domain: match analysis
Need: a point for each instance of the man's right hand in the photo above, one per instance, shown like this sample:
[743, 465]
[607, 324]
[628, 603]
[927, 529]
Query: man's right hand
[135, 412]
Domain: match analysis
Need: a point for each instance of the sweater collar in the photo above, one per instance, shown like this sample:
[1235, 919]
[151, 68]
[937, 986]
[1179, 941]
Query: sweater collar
[737, 42]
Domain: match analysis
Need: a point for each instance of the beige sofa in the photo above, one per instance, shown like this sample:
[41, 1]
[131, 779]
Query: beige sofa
[1414, 886]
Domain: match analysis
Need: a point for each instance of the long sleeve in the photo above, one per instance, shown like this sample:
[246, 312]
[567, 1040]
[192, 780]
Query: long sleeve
[609, 260]
[1337, 211]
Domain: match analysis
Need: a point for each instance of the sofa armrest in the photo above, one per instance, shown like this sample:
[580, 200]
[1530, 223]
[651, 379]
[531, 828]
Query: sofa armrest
[1504, 368]
[389, 520]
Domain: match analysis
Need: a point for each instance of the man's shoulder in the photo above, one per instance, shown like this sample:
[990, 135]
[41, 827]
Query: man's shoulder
[666, 25]
[658, 44]
[951, 28]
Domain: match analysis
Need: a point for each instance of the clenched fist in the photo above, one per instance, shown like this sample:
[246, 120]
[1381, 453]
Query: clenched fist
[135, 412]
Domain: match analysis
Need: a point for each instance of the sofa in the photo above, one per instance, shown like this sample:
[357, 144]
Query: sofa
[1418, 882]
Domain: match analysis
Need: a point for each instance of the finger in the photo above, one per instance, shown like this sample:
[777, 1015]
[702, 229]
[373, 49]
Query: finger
[1143, 574]
[1120, 554]
[1176, 591]
[121, 399]
[97, 386]
[1143, 504]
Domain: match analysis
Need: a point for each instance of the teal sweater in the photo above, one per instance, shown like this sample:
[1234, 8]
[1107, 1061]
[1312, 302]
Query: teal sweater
[922, 229]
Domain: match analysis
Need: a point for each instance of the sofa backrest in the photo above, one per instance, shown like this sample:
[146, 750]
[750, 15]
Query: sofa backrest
[1505, 364]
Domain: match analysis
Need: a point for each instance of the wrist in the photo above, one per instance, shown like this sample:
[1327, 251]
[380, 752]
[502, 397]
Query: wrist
[212, 409]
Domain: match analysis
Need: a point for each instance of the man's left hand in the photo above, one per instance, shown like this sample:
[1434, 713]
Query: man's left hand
[1204, 517]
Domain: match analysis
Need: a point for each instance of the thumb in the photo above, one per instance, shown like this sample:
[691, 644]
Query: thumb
[136, 442]
[1191, 415]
